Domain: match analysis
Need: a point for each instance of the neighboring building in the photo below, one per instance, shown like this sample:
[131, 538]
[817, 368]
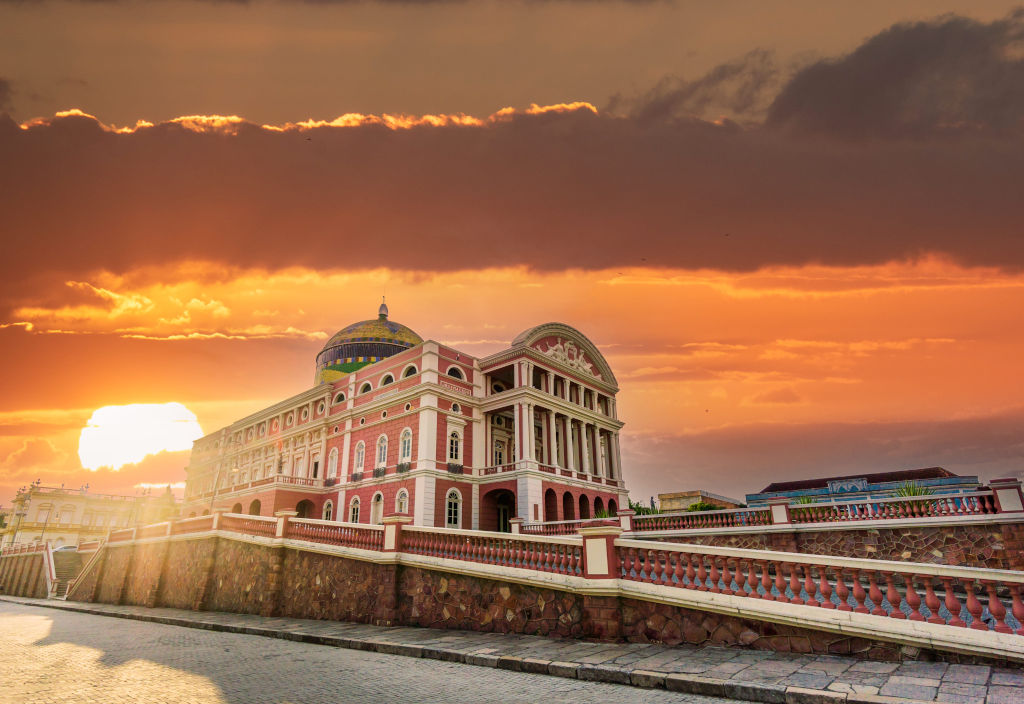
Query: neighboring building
[395, 425]
[682, 500]
[69, 516]
[863, 486]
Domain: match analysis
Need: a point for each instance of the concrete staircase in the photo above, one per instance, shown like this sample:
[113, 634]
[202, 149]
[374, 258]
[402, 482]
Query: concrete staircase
[67, 564]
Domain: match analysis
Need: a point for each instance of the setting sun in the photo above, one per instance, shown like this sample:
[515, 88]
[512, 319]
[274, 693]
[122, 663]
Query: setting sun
[120, 435]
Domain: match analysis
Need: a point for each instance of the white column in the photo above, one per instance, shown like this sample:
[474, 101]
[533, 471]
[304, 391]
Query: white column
[570, 453]
[529, 493]
[531, 441]
[476, 507]
[585, 458]
[479, 431]
[614, 455]
[426, 442]
[551, 383]
[552, 445]
[423, 501]
[345, 450]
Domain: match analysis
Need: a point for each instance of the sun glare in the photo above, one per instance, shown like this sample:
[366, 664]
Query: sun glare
[120, 435]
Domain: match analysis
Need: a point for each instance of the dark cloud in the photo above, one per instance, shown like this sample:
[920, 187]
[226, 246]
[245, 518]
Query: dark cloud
[741, 89]
[549, 191]
[743, 459]
[914, 79]
[6, 93]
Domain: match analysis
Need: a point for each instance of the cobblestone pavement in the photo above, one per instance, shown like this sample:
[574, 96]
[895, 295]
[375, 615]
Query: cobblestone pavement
[59, 656]
[752, 675]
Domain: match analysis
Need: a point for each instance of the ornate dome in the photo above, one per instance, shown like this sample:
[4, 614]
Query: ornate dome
[363, 343]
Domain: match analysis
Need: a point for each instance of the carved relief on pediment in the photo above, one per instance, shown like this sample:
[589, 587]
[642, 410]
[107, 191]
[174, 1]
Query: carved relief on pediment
[568, 353]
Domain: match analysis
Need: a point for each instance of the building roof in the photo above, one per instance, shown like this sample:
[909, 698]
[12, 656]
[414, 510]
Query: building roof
[905, 475]
[362, 343]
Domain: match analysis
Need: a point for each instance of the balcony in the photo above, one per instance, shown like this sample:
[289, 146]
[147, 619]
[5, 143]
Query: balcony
[454, 468]
[379, 472]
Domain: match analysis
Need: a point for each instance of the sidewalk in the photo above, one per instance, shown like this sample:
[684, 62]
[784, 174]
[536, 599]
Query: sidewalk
[751, 675]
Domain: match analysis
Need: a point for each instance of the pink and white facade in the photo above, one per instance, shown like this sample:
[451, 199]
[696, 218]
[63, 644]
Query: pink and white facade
[428, 432]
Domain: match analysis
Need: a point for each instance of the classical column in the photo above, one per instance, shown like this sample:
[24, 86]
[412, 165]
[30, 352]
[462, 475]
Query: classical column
[570, 453]
[552, 436]
[551, 383]
[528, 437]
[613, 453]
[585, 457]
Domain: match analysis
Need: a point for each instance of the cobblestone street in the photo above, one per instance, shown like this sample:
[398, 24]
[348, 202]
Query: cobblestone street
[58, 656]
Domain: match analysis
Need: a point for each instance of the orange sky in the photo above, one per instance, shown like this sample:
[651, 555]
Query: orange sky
[797, 266]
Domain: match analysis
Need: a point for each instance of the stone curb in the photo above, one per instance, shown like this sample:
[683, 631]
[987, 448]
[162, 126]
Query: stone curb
[649, 679]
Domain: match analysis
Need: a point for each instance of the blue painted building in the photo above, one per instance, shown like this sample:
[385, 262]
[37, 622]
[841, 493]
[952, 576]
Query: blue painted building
[864, 486]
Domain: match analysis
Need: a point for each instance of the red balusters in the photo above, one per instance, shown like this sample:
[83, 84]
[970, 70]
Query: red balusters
[766, 583]
[913, 600]
[859, 596]
[842, 593]
[715, 589]
[679, 572]
[780, 583]
[974, 607]
[825, 588]
[932, 601]
[1018, 608]
[952, 603]
[726, 577]
[876, 594]
[702, 575]
[809, 587]
[794, 585]
[996, 608]
[893, 596]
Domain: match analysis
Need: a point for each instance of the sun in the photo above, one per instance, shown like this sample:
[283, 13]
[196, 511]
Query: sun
[118, 435]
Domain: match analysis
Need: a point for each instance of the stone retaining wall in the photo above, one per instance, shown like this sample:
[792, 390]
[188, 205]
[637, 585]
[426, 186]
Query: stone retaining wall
[22, 575]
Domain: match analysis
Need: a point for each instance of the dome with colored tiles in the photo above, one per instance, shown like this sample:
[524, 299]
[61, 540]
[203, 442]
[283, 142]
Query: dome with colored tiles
[363, 343]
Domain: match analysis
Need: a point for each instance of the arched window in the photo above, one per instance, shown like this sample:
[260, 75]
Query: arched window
[377, 509]
[405, 446]
[365, 388]
[353, 510]
[237, 508]
[499, 452]
[454, 446]
[402, 501]
[409, 371]
[453, 509]
[328, 511]
[360, 456]
[382, 451]
[332, 463]
[340, 398]
[388, 379]
[456, 373]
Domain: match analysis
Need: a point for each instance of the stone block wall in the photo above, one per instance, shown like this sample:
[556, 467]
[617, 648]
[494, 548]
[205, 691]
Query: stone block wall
[85, 584]
[973, 545]
[238, 578]
[183, 581]
[22, 575]
[444, 600]
[650, 622]
[143, 577]
[112, 577]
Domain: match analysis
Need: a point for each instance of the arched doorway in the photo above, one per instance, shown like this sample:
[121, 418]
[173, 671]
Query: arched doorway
[237, 508]
[304, 508]
[613, 508]
[584, 506]
[377, 509]
[497, 509]
[255, 507]
[598, 505]
[550, 505]
[568, 507]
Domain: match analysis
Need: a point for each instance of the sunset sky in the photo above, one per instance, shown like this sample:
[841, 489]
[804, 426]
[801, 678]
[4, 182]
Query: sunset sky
[796, 230]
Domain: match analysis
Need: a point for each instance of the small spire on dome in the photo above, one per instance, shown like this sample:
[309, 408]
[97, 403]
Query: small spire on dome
[382, 312]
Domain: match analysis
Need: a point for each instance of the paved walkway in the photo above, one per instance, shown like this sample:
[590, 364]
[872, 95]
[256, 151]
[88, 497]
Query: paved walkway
[777, 678]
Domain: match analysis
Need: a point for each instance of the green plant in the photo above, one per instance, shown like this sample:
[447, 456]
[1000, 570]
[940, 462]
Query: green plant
[642, 510]
[703, 506]
[602, 513]
[913, 489]
[805, 499]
